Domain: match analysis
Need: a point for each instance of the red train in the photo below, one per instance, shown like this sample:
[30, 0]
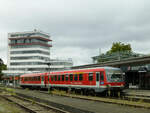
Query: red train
[92, 79]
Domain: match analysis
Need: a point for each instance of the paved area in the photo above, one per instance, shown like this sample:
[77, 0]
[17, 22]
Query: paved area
[93, 106]
[137, 92]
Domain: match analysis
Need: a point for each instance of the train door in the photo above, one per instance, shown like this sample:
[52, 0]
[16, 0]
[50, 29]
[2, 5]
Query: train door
[102, 78]
[97, 79]
[42, 81]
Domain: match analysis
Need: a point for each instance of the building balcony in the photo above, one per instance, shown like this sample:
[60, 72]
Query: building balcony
[29, 60]
[31, 37]
[33, 43]
[13, 73]
[25, 55]
[29, 49]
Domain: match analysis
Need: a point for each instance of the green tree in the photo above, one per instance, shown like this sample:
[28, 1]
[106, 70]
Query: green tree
[2, 67]
[119, 47]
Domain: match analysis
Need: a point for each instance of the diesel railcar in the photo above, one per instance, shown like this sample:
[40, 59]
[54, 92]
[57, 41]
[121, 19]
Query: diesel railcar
[97, 79]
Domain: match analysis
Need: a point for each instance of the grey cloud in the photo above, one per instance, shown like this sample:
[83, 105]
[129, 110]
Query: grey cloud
[79, 26]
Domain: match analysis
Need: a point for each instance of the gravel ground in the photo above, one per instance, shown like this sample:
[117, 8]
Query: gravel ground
[93, 106]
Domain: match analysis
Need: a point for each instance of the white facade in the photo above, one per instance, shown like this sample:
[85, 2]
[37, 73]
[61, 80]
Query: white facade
[28, 53]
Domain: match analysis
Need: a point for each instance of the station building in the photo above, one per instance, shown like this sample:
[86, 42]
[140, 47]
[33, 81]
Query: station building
[136, 67]
[137, 75]
[29, 52]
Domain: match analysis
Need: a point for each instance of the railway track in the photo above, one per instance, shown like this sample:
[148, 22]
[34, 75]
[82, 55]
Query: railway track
[32, 106]
[124, 97]
[43, 104]
[127, 100]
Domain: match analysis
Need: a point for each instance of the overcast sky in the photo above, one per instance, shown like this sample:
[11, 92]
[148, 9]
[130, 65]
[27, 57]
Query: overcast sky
[79, 28]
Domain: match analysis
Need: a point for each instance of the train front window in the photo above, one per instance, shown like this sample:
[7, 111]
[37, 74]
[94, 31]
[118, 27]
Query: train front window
[114, 75]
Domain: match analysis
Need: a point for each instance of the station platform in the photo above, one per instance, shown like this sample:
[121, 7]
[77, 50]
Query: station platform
[137, 92]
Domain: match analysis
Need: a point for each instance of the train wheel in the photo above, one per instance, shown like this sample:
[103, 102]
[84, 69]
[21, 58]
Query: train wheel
[92, 92]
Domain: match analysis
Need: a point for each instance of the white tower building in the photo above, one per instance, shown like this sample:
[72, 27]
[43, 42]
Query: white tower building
[27, 52]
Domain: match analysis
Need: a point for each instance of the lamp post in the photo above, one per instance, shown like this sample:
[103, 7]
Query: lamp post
[14, 81]
[48, 63]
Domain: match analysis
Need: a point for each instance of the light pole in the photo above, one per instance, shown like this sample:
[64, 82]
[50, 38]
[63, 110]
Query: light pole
[49, 64]
[14, 81]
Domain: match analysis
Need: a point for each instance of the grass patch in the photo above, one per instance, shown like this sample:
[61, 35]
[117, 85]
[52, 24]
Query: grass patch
[8, 107]
[6, 90]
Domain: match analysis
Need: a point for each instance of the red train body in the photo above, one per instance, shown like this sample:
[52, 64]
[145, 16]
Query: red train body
[93, 79]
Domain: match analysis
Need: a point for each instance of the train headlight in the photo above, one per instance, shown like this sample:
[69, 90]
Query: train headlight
[122, 85]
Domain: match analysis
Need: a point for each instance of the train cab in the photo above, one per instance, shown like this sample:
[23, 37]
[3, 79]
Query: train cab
[115, 79]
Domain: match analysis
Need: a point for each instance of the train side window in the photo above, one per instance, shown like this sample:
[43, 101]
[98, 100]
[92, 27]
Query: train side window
[55, 77]
[90, 76]
[76, 77]
[67, 76]
[58, 77]
[80, 77]
[51, 78]
[48, 77]
[38, 78]
[71, 77]
[102, 76]
[63, 77]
